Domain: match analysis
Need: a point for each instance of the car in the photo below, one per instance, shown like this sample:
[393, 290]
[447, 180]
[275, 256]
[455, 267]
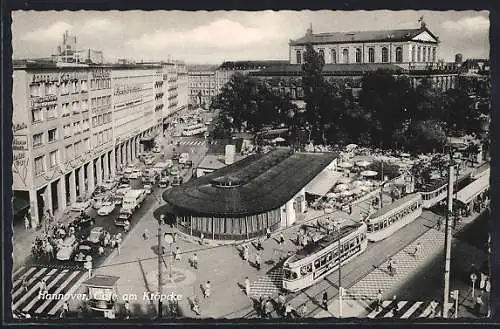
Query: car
[85, 249]
[128, 171]
[96, 234]
[157, 149]
[67, 248]
[106, 208]
[164, 181]
[176, 181]
[109, 184]
[148, 188]
[122, 189]
[137, 173]
[97, 201]
[174, 171]
[149, 161]
[176, 156]
[122, 217]
[80, 205]
[83, 220]
[124, 180]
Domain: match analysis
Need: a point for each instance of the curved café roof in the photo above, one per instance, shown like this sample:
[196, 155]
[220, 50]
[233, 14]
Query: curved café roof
[256, 184]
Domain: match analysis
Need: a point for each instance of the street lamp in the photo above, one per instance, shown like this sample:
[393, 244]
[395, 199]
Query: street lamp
[337, 226]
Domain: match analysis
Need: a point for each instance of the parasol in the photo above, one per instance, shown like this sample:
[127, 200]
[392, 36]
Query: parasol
[279, 140]
[357, 183]
[362, 163]
[351, 146]
[331, 195]
[345, 180]
[405, 155]
[369, 173]
[365, 188]
[345, 165]
[346, 193]
[357, 190]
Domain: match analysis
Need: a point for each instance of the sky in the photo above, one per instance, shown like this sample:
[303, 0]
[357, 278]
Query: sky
[217, 36]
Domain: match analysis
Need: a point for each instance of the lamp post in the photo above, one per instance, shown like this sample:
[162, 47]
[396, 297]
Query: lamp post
[340, 266]
[447, 239]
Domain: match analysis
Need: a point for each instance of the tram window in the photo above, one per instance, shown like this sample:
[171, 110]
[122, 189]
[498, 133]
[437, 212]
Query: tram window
[375, 227]
[385, 224]
[316, 263]
[369, 228]
[346, 247]
[306, 269]
[323, 261]
[330, 256]
[353, 244]
[287, 274]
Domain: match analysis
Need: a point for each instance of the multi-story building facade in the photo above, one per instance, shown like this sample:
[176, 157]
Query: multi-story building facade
[182, 86]
[76, 125]
[202, 85]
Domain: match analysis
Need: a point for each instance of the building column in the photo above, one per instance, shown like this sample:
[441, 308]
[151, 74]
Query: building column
[113, 162]
[48, 198]
[132, 146]
[129, 151]
[34, 209]
[61, 189]
[290, 213]
[106, 166]
[72, 186]
[81, 179]
[122, 154]
[98, 170]
[90, 175]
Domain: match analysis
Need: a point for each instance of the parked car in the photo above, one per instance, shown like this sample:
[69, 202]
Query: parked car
[135, 174]
[157, 149]
[164, 181]
[148, 188]
[80, 205]
[67, 248]
[97, 201]
[176, 181]
[83, 220]
[109, 184]
[84, 249]
[176, 155]
[122, 189]
[106, 208]
[96, 234]
[149, 161]
[174, 171]
[122, 217]
[124, 180]
[128, 171]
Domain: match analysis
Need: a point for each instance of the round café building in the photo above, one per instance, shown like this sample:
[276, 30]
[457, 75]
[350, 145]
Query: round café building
[244, 199]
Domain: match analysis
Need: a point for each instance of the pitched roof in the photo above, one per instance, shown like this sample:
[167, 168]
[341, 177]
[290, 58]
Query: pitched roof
[328, 69]
[361, 36]
[250, 65]
[255, 184]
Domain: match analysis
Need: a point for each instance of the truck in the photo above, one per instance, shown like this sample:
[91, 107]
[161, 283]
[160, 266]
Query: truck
[162, 166]
[133, 199]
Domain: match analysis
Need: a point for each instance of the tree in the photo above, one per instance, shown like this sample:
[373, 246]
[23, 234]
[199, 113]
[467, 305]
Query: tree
[427, 136]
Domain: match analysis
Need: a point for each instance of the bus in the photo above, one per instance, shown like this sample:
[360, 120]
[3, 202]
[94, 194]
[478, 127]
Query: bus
[393, 217]
[194, 130]
[316, 260]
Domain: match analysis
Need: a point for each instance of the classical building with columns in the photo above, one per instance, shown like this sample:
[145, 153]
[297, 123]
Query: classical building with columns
[75, 125]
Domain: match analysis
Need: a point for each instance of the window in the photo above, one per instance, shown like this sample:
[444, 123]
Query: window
[76, 127]
[358, 55]
[69, 152]
[434, 54]
[53, 158]
[37, 140]
[412, 53]
[51, 112]
[334, 56]
[86, 125]
[78, 148]
[40, 165]
[52, 135]
[385, 55]
[371, 55]
[67, 131]
[35, 90]
[419, 53]
[86, 144]
[424, 53]
[299, 56]
[345, 56]
[321, 53]
[37, 115]
[429, 54]
[399, 55]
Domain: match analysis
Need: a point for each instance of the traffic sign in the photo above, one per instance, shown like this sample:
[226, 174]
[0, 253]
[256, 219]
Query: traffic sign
[473, 277]
[454, 294]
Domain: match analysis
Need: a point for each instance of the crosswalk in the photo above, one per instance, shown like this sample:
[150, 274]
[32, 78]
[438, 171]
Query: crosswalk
[28, 298]
[407, 309]
[268, 284]
[192, 142]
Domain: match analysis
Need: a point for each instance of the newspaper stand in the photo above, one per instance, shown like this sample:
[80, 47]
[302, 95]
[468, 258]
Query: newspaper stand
[102, 294]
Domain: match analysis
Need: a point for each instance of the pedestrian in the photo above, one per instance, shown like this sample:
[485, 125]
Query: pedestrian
[417, 250]
[24, 284]
[261, 307]
[196, 305]
[482, 281]
[126, 226]
[64, 309]
[26, 223]
[43, 287]
[257, 261]
[390, 267]
[303, 310]
[350, 209]
[194, 261]
[268, 309]
[245, 252]
[101, 250]
[324, 302]
[146, 234]
[282, 238]
[247, 286]
[288, 311]
[118, 242]
[379, 299]
[177, 253]
[439, 223]
[487, 285]
[395, 308]
[259, 244]
[281, 303]
[202, 238]
[207, 289]
[478, 305]
[161, 219]
[433, 306]
[127, 309]
[50, 251]
[268, 233]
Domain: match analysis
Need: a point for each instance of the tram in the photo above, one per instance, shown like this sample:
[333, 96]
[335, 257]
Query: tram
[432, 195]
[389, 219]
[315, 261]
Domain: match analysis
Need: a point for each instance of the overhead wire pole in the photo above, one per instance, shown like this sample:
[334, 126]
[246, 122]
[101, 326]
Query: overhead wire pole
[340, 275]
[160, 279]
[447, 239]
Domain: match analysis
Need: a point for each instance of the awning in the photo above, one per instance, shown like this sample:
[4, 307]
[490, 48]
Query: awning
[322, 183]
[468, 193]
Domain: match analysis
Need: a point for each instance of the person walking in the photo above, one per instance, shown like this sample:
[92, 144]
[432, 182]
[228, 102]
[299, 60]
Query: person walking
[202, 238]
[196, 305]
[43, 287]
[25, 283]
[417, 250]
[281, 303]
[482, 281]
[395, 308]
[101, 250]
[207, 289]
[50, 251]
[127, 309]
[26, 223]
[268, 309]
[439, 223]
[146, 234]
[390, 267]
[259, 244]
[288, 311]
[245, 252]
[257, 261]
[379, 299]
[350, 209]
[194, 261]
[282, 238]
[177, 253]
[479, 304]
[247, 286]
[64, 309]
[268, 233]
[324, 302]
[126, 226]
